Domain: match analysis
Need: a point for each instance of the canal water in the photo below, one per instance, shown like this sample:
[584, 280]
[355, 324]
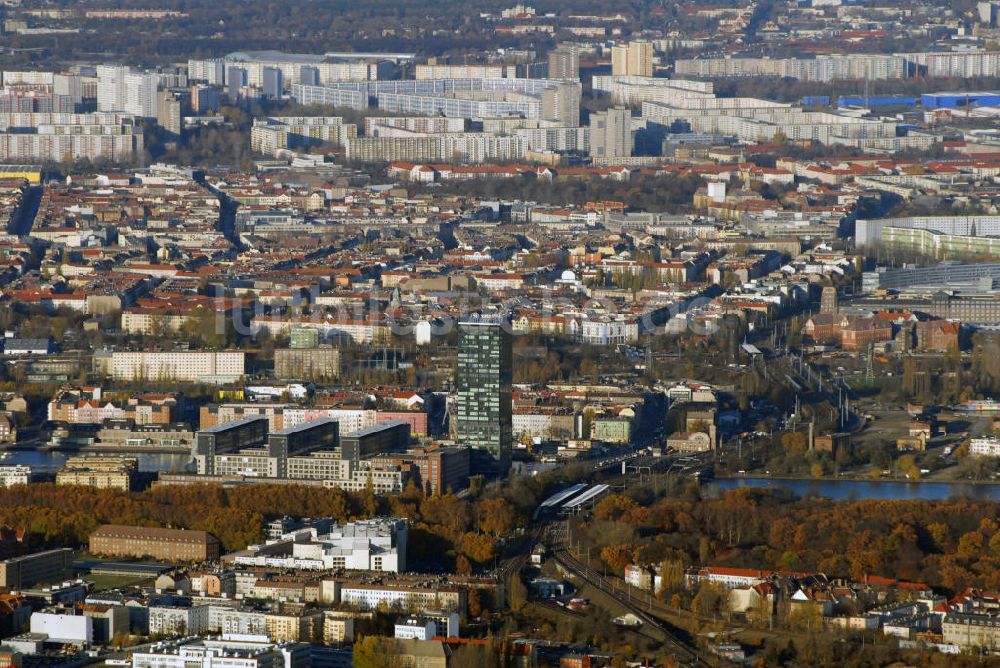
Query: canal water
[51, 462]
[864, 489]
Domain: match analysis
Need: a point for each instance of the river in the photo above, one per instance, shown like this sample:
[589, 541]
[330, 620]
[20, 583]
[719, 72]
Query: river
[864, 489]
[44, 461]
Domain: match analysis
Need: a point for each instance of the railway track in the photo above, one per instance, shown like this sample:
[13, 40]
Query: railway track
[680, 649]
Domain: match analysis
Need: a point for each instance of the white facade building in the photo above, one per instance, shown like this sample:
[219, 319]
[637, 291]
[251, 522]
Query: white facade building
[178, 621]
[228, 652]
[369, 545]
[64, 628]
[189, 366]
[415, 628]
[119, 88]
[14, 475]
[985, 447]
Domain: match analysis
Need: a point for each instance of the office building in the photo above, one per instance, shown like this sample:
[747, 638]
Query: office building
[611, 133]
[319, 434]
[115, 540]
[484, 411]
[38, 568]
[632, 59]
[381, 438]
[561, 103]
[228, 438]
[121, 89]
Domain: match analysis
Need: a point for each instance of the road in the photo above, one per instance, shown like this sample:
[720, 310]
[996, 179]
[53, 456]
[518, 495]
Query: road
[24, 218]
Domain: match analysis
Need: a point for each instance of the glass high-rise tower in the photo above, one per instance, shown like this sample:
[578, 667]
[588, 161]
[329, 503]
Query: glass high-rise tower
[484, 377]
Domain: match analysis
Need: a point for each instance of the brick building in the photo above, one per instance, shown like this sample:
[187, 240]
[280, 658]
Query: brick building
[167, 544]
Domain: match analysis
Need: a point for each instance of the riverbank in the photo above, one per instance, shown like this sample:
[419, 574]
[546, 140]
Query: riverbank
[843, 478]
[110, 449]
[846, 490]
[52, 461]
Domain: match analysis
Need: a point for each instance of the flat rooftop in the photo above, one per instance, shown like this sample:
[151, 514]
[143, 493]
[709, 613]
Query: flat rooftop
[232, 424]
[304, 426]
[382, 426]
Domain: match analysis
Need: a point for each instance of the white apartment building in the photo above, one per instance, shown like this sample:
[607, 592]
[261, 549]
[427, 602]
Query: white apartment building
[423, 124]
[985, 447]
[119, 88]
[27, 78]
[372, 597]
[178, 621]
[608, 332]
[560, 140]
[466, 71]
[359, 331]
[850, 66]
[393, 144]
[185, 366]
[338, 627]
[228, 652]
[295, 68]
[272, 134]
[415, 628]
[14, 475]
[225, 619]
[632, 59]
[55, 136]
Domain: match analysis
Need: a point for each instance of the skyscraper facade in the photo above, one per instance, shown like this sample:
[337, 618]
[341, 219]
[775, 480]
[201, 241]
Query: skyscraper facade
[484, 411]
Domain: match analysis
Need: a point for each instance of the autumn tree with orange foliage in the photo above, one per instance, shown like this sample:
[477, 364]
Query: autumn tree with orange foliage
[950, 544]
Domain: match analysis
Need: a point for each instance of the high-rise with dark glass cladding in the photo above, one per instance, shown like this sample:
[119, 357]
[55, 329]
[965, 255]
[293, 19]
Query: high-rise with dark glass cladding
[484, 377]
